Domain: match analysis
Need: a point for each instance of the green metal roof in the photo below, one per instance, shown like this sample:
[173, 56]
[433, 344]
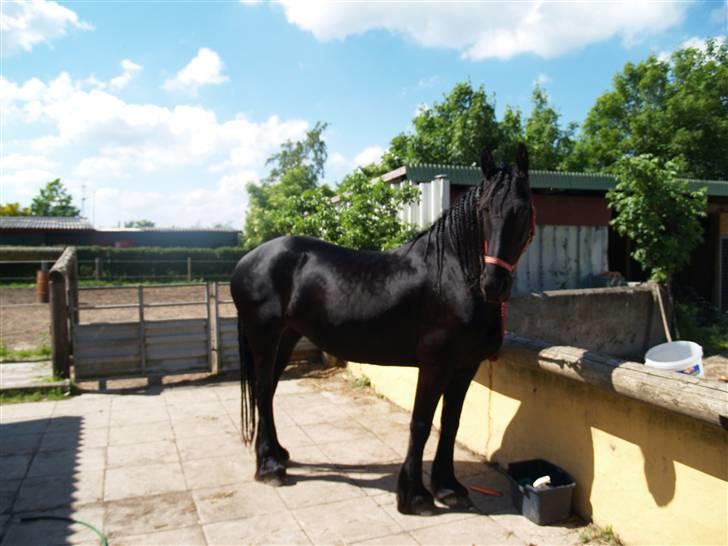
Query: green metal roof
[461, 175]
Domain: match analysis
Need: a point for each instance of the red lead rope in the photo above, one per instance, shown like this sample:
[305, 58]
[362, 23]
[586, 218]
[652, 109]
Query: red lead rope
[508, 267]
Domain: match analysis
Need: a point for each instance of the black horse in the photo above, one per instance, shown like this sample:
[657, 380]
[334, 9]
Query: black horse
[434, 303]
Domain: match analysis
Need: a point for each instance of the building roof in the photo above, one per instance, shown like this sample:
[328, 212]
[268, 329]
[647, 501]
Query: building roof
[44, 223]
[460, 175]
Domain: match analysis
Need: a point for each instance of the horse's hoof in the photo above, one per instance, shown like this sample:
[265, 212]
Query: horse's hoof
[420, 505]
[275, 477]
[455, 501]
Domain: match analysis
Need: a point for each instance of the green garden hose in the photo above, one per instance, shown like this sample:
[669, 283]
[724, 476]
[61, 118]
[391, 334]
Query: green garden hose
[102, 537]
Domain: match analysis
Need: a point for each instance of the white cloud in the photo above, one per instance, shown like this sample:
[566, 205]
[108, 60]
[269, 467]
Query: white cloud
[695, 42]
[24, 24]
[490, 29]
[205, 68]
[371, 154]
[542, 79]
[130, 69]
[94, 136]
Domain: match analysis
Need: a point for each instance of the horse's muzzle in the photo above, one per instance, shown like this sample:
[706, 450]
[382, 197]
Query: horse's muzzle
[495, 285]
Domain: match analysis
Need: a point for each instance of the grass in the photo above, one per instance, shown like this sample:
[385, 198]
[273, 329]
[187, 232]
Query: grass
[361, 382]
[709, 330]
[40, 395]
[593, 534]
[7, 354]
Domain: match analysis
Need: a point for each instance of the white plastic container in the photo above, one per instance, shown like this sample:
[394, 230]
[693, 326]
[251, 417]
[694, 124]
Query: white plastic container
[677, 356]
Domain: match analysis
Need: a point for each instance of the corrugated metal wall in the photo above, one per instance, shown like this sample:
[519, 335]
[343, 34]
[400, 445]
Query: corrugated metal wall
[559, 257]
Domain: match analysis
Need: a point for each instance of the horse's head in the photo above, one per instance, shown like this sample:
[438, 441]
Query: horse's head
[508, 222]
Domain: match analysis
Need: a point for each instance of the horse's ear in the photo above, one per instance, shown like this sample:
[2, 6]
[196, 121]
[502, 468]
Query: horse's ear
[487, 165]
[522, 158]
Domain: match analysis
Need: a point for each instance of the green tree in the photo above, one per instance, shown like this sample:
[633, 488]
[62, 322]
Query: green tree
[295, 169]
[360, 214]
[143, 223]
[548, 145]
[452, 131]
[53, 200]
[14, 209]
[674, 110]
[655, 210]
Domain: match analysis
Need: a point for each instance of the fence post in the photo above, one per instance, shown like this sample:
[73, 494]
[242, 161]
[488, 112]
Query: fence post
[98, 262]
[142, 330]
[189, 268]
[59, 325]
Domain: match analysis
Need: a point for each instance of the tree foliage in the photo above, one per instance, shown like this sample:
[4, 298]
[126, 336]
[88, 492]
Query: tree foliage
[673, 110]
[360, 213]
[143, 223]
[53, 200]
[655, 210]
[14, 209]
[549, 145]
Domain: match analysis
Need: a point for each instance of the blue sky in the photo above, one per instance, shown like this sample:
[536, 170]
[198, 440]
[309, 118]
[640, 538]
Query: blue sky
[164, 110]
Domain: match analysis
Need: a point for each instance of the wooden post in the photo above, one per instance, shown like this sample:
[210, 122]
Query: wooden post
[189, 268]
[98, 268]
[60, 341]
[142, 348]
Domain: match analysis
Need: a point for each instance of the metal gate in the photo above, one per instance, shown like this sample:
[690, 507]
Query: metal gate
[142, 347]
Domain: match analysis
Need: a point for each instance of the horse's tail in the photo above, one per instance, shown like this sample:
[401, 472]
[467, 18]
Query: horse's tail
[247, 387]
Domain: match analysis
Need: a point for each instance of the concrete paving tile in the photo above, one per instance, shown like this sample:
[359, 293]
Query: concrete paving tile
[142, 454]
[400, 539]
[55, 491]
[138, 481]
[26, 412]
[346, 522]
[189, 536]
[214, 445]
[72, 424]
[20, 444]
[473, 530]
[24, 426]
[133, 434]
[293, 436]
[543, 535]
[365, 450]
[388, 503]
[151, 514]
[199, 409]
[82, 408]
[309, 408]
[138, 417]
[138, 402]
[266, 529]
[89, 439]
[307, 487]
[338, 431]
[212, 472]
[8, 490]
[227, 391]
[176, 396]
[51, 532]
[237, 501]
[293, 386]
[67, 462]
[488, 504]
[203, 426]
[14, 466]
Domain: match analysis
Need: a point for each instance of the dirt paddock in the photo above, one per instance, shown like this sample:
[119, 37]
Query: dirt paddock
[29, 326]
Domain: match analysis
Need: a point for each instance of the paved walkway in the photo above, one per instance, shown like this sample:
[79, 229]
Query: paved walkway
[168, 467]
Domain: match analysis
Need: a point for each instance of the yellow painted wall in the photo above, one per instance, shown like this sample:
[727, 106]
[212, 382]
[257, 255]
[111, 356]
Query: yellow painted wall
[655, 476]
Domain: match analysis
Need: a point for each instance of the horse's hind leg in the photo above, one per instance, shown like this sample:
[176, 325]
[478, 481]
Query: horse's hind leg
[287, 343]
[412, 497]
[270, 467]
[446, 488]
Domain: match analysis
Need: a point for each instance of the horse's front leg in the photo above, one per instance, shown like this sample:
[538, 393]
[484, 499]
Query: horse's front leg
[412, 497]
[446, 488]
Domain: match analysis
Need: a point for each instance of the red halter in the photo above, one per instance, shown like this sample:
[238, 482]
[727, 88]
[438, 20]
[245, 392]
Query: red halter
[509, 267]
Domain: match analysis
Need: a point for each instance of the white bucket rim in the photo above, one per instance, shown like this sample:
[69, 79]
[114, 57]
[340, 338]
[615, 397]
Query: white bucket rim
[695, 357]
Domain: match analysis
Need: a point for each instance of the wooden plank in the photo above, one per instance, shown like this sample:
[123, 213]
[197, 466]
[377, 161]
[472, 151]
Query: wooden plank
[702, 398]
[60, 339]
